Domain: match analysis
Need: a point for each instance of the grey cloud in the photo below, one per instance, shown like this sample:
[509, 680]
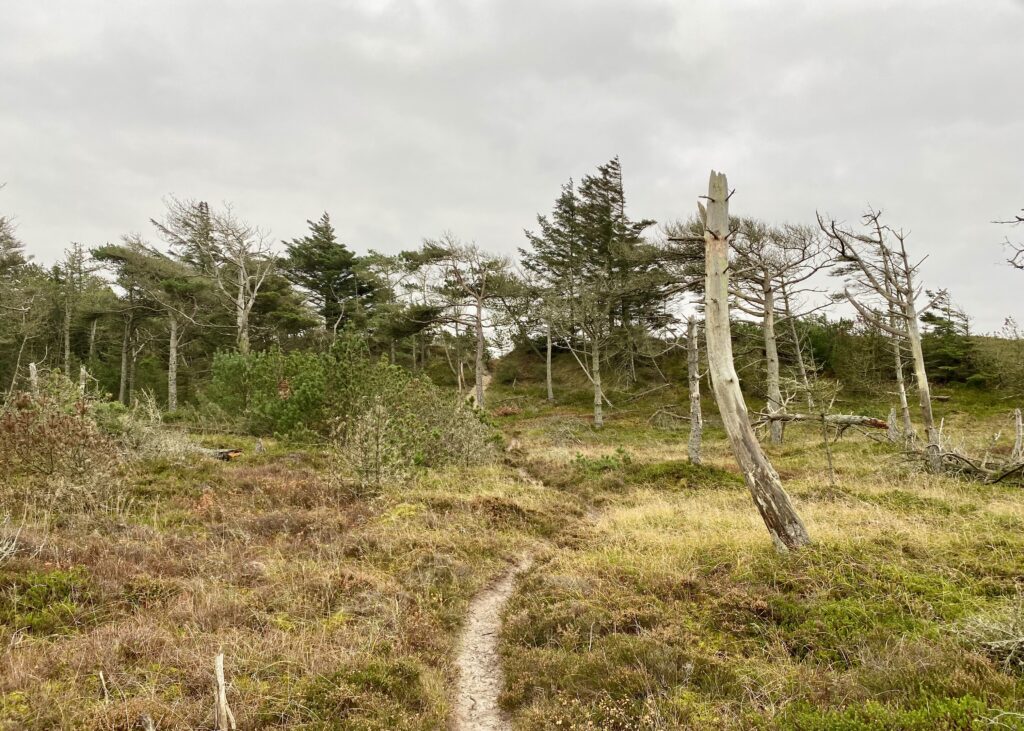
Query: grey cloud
[407, 118]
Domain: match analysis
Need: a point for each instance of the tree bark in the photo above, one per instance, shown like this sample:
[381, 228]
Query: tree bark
[783, 523]
[921, 377]
[901, 390]
[92, 340]
[478, 376]
[841, 420]
[242, 314]
[172, 364]
[1018, 430]
[547, 372]
[596, 377]
[122, 393]
[693, 374]
[771, 359]
[67, 338]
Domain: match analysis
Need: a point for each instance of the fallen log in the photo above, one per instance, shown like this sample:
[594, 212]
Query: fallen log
[842, 421]
[225, 455]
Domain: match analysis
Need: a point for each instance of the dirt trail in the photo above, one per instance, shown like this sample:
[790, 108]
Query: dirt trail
[480, 674]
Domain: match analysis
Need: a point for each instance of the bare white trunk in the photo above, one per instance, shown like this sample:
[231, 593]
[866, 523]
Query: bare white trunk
[33, 379]
[1018, 442]
[901, 390]
[693, 378]
[242, 314]
[122, 392]
[479, 374]
[92, 340]
[595, 374]
[172, 364]
[921, 377]
[771, 359]
[784, 525]
[547, 373]
[83, 380]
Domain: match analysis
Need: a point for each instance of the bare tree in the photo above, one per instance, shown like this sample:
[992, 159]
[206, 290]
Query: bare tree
[234, 255]
[1016, 259]
[470, 280]
[887, 296]
[781, 519]
[770, 267]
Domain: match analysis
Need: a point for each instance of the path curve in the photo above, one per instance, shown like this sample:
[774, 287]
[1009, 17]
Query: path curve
[480, 673]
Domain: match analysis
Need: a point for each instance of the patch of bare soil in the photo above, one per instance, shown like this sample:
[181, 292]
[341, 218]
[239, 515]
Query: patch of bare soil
[480, 674]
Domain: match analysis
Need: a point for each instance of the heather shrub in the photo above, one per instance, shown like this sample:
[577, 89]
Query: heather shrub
[52, 434]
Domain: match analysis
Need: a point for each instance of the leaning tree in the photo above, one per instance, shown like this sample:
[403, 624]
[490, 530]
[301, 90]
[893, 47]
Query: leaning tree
[882, 285]
[784, 525]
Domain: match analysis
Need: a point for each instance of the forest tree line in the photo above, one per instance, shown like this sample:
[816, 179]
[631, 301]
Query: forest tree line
[152, 311]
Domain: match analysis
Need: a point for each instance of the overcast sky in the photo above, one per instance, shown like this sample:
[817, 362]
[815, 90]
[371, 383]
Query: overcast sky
[407, 118]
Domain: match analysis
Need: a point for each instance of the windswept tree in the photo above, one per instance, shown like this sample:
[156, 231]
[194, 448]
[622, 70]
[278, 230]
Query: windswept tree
[234, 255]
[593, 256]
[771, 265]
[882, 285]
[469, 280]
[169, 285]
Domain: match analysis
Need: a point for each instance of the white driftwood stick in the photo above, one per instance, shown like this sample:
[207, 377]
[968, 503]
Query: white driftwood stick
[224, 719]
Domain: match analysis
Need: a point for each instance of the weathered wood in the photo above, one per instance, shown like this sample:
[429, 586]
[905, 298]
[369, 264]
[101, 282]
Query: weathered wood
[224, 719]
[839, 420]
[693, 379]
[172, 362]
[547, 370]
[771, 359]
[33, 379]
[782, 521]
[595, 371]
[1018, 441]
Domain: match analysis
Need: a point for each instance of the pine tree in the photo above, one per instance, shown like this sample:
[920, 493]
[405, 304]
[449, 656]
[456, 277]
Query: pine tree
[328, 272]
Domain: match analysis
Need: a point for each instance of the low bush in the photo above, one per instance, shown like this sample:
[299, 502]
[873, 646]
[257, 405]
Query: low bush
[52, 434]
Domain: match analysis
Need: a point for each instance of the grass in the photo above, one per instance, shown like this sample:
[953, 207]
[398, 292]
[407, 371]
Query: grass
[672, 610]
[655, 601]
[332, 612]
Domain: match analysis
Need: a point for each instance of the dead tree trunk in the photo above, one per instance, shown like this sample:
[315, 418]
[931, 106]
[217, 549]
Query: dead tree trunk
[478, 322]
[122, 394]
[172, 363]
[921, 375]
[771, 358]
[784, 525]
[897, 345]
[547, 373]
[693, 373]
[1018, 441]
[596, 377]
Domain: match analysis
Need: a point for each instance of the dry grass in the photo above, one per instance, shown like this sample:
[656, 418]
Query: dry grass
[656, 600]
[672, 610]
[332, 612]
